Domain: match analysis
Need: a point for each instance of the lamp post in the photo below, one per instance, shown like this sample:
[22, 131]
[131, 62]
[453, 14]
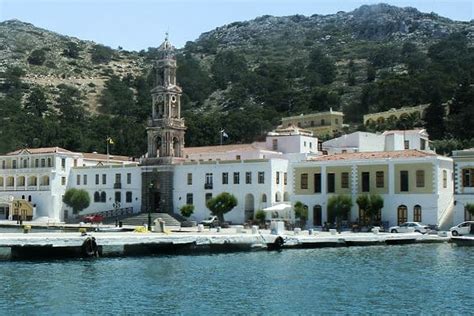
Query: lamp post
[150, 187]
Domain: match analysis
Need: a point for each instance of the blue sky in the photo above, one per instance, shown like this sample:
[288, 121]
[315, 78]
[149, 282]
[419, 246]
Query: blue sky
[138, 24]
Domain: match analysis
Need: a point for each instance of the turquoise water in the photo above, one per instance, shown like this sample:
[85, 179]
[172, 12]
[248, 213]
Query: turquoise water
[414, 279]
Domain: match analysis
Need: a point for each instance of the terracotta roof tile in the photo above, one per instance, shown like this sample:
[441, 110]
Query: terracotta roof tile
[411, 153]
[224, 148]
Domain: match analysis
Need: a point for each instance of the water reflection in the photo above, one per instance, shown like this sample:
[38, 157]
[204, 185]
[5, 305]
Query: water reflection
[395, 279]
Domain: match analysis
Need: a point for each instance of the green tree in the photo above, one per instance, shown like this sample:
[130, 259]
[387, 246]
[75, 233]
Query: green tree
[321, 68]
[370, 205]
[434, 117]
[37, 57]
[371, 72]
[117, 98]
[469, 207]
[72, 50]
[77, 199]
[261, 216]
[376, 205]
[228, 66]
[363, 202]
[301, 213]
[221, 204]
[351, 78]
[101, 54]
[37, 103]
[193, 78]
[187, 210]
[339, 207]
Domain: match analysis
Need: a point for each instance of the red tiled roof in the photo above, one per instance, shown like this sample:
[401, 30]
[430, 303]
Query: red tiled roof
[44, 150]
[409, 153]
[223, 148]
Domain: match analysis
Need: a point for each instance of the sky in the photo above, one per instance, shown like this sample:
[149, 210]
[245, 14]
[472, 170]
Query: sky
[139, 24]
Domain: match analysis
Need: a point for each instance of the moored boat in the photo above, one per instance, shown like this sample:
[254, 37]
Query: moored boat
[463, 240]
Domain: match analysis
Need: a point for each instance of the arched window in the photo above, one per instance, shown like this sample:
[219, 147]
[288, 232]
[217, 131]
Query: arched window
[402, 214]
[103, 197]
[286, 196]
[96, 197]
[49, 162]
[32, 181]
[20, 181]
[417, 213]
[264, 198]
[277, 197]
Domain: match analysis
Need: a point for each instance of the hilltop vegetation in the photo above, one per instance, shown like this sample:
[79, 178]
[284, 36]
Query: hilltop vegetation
[243, 76]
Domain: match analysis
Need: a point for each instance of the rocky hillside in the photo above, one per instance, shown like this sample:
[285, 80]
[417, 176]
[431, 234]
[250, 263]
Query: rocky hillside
[57, 64]
[243, 76]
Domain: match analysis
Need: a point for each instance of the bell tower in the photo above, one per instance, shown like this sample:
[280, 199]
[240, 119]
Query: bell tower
[166, 127]
[165, 135]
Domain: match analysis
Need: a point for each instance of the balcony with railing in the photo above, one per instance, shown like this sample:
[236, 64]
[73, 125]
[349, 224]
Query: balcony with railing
[117, 185]
[208, 186]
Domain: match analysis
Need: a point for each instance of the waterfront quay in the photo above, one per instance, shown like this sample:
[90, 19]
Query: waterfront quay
[176, 240]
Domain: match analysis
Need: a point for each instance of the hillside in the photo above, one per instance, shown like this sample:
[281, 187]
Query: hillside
[19, 40]
[243, 76]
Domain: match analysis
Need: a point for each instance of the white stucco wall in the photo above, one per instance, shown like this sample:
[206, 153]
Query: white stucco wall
[109, 171]
[241, 190]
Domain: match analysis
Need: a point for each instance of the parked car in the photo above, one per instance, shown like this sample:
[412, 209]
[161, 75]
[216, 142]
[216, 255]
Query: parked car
[406, 227]
[462, 229]
[93, 218]
[211, 221]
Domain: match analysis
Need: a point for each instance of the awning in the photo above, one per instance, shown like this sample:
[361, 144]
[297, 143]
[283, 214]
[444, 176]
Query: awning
[278, 211]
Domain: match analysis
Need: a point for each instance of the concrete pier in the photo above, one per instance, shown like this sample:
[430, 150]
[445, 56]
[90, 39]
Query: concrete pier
[96, 244]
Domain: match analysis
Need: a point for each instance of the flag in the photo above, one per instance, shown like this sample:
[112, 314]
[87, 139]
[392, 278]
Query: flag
[110, 140]
[224, 134]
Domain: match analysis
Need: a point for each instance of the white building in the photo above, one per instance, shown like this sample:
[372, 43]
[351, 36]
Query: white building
[387, 141]
[41, 176]
[463, 184]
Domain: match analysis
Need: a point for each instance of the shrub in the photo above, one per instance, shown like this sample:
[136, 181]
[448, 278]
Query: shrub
[187, 210]
[260, 216]
[37, 57]
[101, 54]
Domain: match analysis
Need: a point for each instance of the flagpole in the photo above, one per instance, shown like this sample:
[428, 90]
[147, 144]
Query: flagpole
[221, 137]
[107, 140]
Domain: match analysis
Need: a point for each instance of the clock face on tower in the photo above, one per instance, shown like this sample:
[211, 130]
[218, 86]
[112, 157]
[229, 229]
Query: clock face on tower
[173, 100]
[159, 98]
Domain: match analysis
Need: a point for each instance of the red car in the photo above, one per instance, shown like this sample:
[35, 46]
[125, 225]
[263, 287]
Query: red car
[93, 218]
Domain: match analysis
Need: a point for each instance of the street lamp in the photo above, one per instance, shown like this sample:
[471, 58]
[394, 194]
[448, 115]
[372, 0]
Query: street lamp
[150, 187]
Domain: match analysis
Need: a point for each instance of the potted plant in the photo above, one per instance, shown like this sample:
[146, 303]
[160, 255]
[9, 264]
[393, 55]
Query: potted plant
[186, 211]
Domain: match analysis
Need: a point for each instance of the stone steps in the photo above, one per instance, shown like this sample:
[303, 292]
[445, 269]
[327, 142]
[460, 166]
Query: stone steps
[142, 218]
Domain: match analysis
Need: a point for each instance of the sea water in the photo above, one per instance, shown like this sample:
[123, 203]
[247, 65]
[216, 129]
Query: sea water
[408, 279]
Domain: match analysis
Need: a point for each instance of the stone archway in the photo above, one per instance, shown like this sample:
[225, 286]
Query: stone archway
[249, 207]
